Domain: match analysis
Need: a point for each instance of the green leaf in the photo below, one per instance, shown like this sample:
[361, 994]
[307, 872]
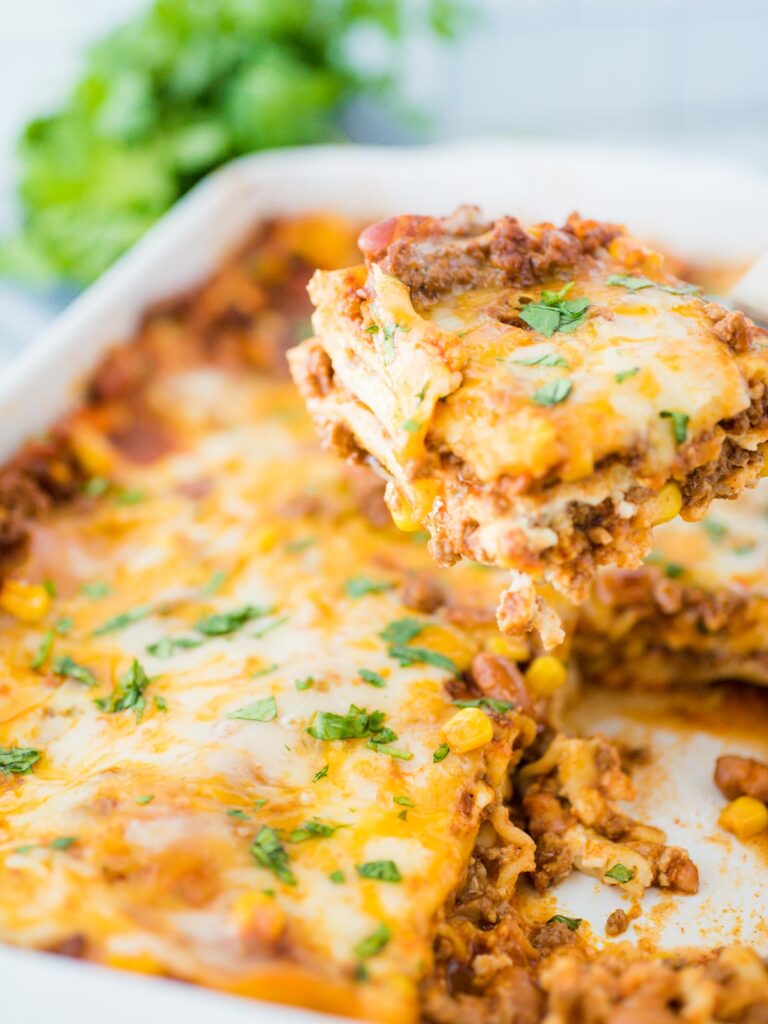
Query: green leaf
[373, 943]
[224, 623]
[312, 829]
[18, 760]
[620, 873]
[679, 423]
[123, 620]
[321, 774]
[486, 702]
[213, 584]
[235, 812]
[548, 359]
[372, 678]
[63, 625]
[684, 289]
[407, 656]
[441, 753]
[404, 801]
[572, 923]
[383, 748]
[623, 375]
[356, 724]
[673, 571]
[264, 710]
[96, 590]
[145, 799]
[543, 319]
[553, 392]
[634, 283]
[304, 684]
[96, 486]
[359, 586]
[161, 704]
[43, 651]
[402, 630]
[64, 665]
[129, 693]
[337, 877]
[715, 530]
[267, 849]
[130, 496]
[381, 870]
[63, 842]
[167, 646]
[409, 426]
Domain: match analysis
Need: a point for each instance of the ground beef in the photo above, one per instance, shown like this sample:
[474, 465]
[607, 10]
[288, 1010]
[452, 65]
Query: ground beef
[617, 923]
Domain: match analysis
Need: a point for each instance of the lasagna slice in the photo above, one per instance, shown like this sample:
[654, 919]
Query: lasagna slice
[538, 398]
[697, 610]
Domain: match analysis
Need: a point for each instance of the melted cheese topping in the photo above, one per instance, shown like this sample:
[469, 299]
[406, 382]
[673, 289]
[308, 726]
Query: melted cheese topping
[131, 836]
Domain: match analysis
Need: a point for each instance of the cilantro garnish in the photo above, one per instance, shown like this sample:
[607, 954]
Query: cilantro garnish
[18, 760]
[486, 702]
[64, 665]
[321, 774]
[355, 725]
[95, 590]
[571, 923]
[381, 748]
[402, 630]
[373, 943]
[235, 812]
[123, 620]
[553, 392]
[679, 423]
[313, 829]
[632, 282]
[620, 873]
[304, 684]
[63, 842]
[404, 801]
[623, 375]
[553, 312]
[407, 656]
[549, 359]
[684, 289]
[130, 496]
[337, 877]
[409, 426]
[43, 650]
[715, 530]
[213, 584]
[63, 625]
[264, 671]
[359, 586]
[223, 623]
[166, 646]
[381, 870]
[161, 704]
[264, 710]
[145, 799]
[96, 486]
[267, 849]
[259, 633]
[673, 571]
[370, 677]
[129, 693]
[441, 753]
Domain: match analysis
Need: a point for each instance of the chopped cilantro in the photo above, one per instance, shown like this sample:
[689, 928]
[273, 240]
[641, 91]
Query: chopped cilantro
[95, 590]
[27, 848]
[404, 801]
[745, 548]
[381, 748]
[623, 375]
[553, 392]
[130, 496]
[634, 283]
[673, 571]
[264, 671]
[553, 312]
[259, 633]
[235, 812]
[18, 760]
[355, 725]
[486, 702]
[264, 710]
[166, 646]
[572, 923]
[370, 677]
[304, 684]
[123, 620]
[145, 799]
[422, 393]
[129, 693]
[267, 849]
[679, 423]
[213, 584]
[43, 650]
[402, 630]
[64, 665]
[403, 815]
[63, 625]
[373, 943]
[359, 586]
[260, 802]
[321, 774]
[548, 359]
[161, 704]
[409, 426]
[223, 623]
[371, 329]
[313, 829]
[620, 873]
[715, 530]
[96, 486]
[684, 289]
[381, 870]
[407, 656]
[337, 877]
[50, 587]
[63, 842]
[296, 546]
[441, 753]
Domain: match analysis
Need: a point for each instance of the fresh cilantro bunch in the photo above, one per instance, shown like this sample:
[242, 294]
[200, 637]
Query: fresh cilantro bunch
[174, 93]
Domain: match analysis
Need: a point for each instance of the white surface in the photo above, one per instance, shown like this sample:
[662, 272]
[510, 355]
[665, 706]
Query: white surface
[665, 198]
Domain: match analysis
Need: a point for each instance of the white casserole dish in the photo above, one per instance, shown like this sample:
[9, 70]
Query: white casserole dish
[703, 209]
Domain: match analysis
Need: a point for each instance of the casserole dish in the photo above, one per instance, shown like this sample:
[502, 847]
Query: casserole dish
[534, 181]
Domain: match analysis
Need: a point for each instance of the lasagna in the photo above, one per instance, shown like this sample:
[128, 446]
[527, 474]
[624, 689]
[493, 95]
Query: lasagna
[252, 737]
[695, 612]
[538, 398]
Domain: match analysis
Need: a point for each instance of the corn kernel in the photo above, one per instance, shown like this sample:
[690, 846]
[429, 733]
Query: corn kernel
[265, 538]
[404, 515]
[745, 817]
[258, 916]
[454, 644]
[513, 647]
[545, 675]
[93, 451]
[28, 602]
[763, 449]
[467, 730]
[669, 501]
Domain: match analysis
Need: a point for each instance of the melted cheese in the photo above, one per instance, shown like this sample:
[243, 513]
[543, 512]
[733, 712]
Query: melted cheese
[162, 811]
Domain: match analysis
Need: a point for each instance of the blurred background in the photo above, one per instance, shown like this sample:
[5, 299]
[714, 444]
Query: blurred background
[113, 109]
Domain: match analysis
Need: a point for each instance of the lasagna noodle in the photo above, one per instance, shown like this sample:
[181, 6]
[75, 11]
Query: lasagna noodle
[547, 442]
